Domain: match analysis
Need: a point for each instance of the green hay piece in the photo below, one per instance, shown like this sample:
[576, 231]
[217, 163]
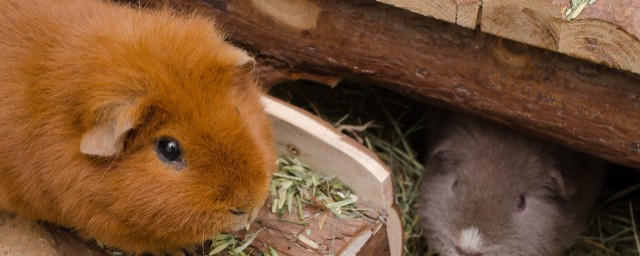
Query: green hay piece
[295, 180]
[576, 7]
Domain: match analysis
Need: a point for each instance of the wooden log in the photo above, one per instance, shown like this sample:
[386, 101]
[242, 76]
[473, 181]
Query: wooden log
[606, 32]
[575, 103]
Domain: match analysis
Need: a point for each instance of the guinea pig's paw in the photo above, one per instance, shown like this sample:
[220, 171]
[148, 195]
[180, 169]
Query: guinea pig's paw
[189, 251]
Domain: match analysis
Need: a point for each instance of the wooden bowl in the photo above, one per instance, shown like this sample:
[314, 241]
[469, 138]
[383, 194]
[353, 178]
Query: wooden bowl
[321, 147]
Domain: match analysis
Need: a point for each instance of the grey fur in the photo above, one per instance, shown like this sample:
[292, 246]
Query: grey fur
[493, 167]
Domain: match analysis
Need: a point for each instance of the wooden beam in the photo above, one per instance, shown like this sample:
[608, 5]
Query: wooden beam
[578, 104]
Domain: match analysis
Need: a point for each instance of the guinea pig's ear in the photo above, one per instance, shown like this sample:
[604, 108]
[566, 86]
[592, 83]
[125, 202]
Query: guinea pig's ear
[557, 181]
[566, 188]
[105, 138]
[442, 158]
[244, 62]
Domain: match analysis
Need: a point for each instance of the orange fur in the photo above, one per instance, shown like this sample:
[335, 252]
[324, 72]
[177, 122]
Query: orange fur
[69, 66]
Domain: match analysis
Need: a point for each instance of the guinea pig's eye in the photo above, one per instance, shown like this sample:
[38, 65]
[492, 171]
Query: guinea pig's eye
[168, 149]
[522, 203]
[455, 184]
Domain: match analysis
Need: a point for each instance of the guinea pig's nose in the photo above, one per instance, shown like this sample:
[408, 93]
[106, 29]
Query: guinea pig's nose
[237, 212]
[462, 252]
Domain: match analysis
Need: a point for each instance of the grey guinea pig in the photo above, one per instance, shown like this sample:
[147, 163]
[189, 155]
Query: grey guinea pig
[488, 192]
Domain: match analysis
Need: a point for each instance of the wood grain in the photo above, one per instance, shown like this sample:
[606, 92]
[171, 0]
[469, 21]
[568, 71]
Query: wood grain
[442, 10]
[462, 12]
[468, 13]
[535, 22]
[601, 42]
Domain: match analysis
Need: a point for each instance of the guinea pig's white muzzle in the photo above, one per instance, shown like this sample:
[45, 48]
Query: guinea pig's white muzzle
[469, 242]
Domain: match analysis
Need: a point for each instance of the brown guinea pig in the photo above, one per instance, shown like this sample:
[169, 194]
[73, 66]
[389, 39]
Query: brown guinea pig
[142, 129]
[491, 192]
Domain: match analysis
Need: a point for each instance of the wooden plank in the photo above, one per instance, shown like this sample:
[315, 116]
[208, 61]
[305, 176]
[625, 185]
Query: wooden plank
[606, 32]
[581, 105]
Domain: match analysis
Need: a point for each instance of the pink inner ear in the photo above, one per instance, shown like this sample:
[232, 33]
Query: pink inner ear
[105, 139]
[98, 141]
